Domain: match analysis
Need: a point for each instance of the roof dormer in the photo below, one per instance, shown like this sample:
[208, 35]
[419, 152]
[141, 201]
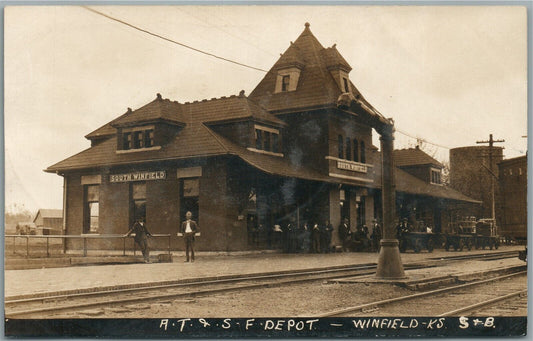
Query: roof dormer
[339, 68]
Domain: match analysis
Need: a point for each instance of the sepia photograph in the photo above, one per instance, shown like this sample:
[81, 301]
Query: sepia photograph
[245, 171]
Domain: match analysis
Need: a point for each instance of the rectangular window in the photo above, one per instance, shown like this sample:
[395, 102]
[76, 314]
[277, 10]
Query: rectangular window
[91, 208]
[275, 143]
[149, 138]
[363, 152]
[267, 146]
[435, 177]
[285, 81]
[348, 149]
[138, 141]
[266, 139]
[258, 139]
[341, 147]
[126, 141]
[355, 150]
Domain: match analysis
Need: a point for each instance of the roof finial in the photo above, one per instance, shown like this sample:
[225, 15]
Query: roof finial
[241, 94]
[159, 96]
[129, 110]
[307, 25]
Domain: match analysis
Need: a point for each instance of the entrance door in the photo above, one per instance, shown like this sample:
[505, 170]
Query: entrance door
[345, 204]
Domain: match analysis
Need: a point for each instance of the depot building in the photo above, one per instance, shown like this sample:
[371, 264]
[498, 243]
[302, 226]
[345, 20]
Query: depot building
[291, 151]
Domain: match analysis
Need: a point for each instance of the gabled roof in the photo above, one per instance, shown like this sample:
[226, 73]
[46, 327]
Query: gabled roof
[49, 213]
[413, 157]
[316, 86]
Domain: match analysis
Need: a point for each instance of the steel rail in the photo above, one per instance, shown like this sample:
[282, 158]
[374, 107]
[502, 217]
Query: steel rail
[229, 279]
[182, 294]
[375, 304]
[484, 303]
[327, 273]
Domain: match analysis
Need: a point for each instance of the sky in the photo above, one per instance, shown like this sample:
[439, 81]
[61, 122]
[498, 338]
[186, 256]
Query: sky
[447, 75]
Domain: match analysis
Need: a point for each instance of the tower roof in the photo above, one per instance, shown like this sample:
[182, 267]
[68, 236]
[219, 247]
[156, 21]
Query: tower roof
[316, 85]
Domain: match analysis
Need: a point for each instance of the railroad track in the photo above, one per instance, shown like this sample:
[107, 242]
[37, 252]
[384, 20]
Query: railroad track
[47, 305]
[441, 299]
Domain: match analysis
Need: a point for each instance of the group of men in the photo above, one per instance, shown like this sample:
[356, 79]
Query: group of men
[362, 239]
[187, 230]
[314, 237]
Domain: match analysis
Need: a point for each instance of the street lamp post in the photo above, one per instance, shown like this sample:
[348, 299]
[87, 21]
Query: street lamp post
[389, 262]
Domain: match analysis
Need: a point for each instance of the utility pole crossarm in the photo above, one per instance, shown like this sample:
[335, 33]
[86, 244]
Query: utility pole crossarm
[491, 142]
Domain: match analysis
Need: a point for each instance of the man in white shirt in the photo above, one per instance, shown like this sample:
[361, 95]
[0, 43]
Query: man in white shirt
[188, 229]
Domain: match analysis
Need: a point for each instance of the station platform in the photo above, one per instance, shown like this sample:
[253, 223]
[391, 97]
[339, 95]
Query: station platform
[25, 283]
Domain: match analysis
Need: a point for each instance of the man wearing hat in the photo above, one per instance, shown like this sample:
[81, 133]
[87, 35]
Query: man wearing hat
[375, 235]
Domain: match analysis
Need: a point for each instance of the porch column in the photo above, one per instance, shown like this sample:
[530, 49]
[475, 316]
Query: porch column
[389, 263]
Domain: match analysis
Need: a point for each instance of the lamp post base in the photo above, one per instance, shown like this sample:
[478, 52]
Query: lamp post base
[389, 263]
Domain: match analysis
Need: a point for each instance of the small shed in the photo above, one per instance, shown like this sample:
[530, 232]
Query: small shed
[52, 218]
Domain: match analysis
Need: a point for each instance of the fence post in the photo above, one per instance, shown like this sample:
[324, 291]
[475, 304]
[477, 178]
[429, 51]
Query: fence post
[134, 247]
[47, 247]
[14, 243]
[84, 246]
[169, 244]
[27, 246]
[124, 250]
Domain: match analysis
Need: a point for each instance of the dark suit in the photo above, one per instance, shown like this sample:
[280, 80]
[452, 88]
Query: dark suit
[189, 237]
[141, 238]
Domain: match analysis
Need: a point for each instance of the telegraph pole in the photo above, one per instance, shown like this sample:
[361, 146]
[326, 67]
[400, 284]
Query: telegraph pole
[491, 142]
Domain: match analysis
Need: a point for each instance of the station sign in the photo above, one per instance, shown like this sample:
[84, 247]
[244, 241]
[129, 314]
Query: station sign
[138, 176]
[352, 166]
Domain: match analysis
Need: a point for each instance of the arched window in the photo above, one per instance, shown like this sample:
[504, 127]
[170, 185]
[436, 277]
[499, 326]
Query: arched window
[355, 150]
[363, 153]
[341, 147]
[348, 149]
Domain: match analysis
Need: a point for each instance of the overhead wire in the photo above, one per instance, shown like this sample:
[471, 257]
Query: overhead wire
[173, 41]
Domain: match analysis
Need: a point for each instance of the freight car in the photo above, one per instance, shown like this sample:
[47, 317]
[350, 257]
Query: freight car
[468, 233]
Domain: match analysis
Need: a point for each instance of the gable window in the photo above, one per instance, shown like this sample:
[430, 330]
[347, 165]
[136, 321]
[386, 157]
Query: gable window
[355, 150]
[341, 147]
[285, 81]
[435, 177]
[267, 139]
[346, 85]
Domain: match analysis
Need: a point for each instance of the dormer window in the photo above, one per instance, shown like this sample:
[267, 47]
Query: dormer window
[137, 138]
[285, 81]
[267, 140]
[435, 176]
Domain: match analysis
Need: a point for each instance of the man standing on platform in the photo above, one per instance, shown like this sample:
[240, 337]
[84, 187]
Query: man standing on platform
[141, 237]
[188, 229]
